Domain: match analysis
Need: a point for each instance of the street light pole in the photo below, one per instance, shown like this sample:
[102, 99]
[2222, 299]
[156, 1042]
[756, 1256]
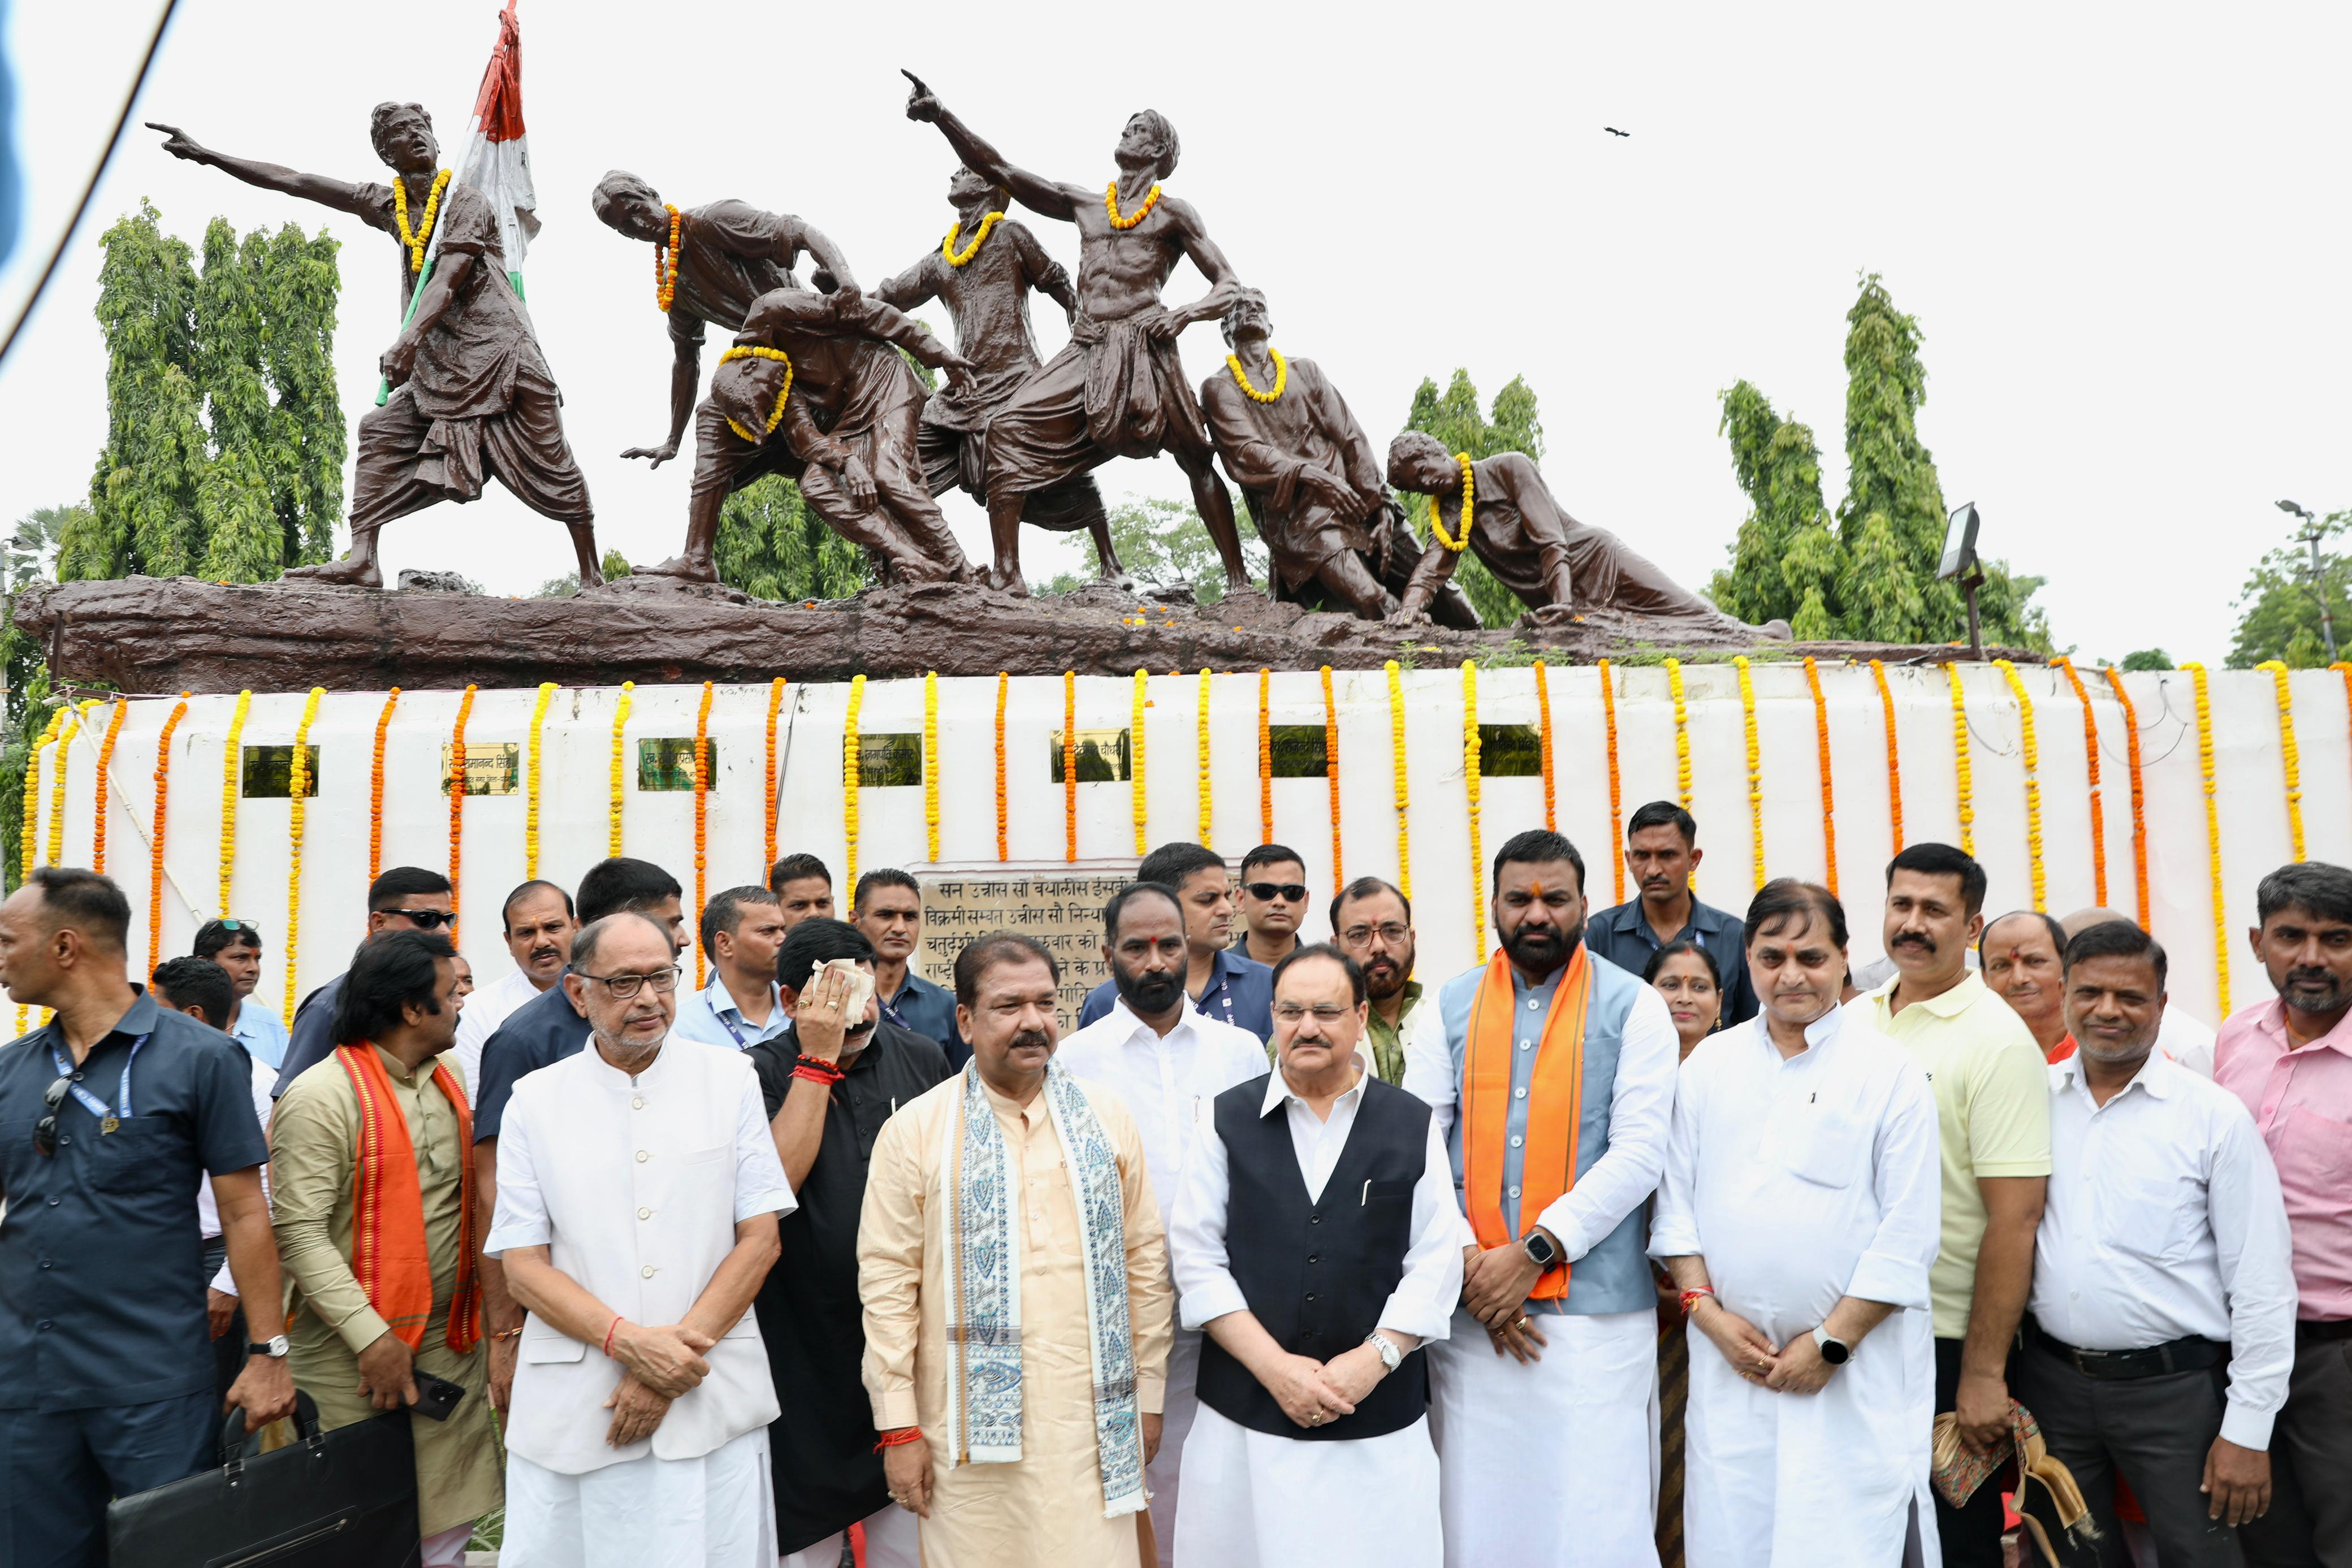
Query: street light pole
[2311, 534]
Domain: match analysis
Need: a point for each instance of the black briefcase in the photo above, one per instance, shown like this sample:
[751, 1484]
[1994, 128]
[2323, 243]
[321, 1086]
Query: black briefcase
[344, 1499]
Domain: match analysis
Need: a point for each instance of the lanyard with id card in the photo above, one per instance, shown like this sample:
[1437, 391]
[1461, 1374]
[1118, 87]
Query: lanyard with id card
[108, 1120]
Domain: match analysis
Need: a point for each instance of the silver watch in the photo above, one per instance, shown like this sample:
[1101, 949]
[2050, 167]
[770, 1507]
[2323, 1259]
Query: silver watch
[1390, 1356]
[274, 1347]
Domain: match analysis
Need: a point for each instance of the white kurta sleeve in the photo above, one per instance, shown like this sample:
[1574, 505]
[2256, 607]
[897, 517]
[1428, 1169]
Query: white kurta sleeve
[520, 1217]
[1641, 1112]
[1429, 1067]
[2256, 1258]
[1907, 1168]
[760, 1184]
[1205, 1287]
[1423, 1302]
[1673, 1222]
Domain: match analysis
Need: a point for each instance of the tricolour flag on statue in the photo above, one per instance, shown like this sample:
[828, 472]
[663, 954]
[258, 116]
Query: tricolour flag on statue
[497, 161]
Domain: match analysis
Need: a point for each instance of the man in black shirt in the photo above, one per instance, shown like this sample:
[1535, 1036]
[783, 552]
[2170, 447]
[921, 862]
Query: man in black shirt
[830, 1081]
[1662, 851]
[109, 1115]
[404, 898]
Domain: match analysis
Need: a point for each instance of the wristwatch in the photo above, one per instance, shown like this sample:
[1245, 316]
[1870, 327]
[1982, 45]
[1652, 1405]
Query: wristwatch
[1836, 1351]
[1390, 1357]
[1543, 1250]
[274, 1347]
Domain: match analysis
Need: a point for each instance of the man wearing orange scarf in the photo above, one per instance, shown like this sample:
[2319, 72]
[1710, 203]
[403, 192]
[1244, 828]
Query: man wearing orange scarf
[1551, 1073]
[371, 1168]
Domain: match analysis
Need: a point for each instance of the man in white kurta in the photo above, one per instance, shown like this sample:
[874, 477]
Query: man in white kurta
[538, 931]
[1168, 1060]
[1801, 1202]
[1316, 1242]
[636, 1213]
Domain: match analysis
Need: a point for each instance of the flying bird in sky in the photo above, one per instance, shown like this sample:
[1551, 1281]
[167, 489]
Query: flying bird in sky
[1614, 131]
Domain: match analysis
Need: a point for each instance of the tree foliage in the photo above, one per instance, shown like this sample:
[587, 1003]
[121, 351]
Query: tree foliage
[1873, 578]
[1513, 424]
[27, 556]
[771, 546]
[225, 442]
[1164, 544]
[2147, 659]
[2279, 609]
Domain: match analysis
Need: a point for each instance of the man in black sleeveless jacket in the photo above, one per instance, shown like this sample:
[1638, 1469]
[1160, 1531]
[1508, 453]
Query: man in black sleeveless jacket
[1317, 1243]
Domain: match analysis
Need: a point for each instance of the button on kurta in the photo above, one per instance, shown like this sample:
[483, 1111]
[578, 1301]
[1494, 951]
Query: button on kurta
[645, 1214]
[643, 1156]
[647, 1271]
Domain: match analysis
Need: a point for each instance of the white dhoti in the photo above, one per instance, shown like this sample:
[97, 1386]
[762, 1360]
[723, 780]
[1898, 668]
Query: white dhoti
[717, 1511]
[893, 1539]
[1548, 1464]
[1160, 1477]
[1254, 1500]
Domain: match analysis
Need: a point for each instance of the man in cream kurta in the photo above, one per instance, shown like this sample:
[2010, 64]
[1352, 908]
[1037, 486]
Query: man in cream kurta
[1048, 1504]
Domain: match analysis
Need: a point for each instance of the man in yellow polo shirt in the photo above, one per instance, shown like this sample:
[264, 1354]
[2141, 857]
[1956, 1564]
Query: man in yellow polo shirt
[1992, 1113]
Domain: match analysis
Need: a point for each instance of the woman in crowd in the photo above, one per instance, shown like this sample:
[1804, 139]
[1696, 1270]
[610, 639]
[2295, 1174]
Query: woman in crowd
[1681, 972]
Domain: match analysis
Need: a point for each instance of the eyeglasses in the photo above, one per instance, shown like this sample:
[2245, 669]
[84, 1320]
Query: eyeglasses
[626, 986]
[424, 919]
[1392, 934]
[1324, 1013]
[45, 1131]
[1288, 892]
[248, 926]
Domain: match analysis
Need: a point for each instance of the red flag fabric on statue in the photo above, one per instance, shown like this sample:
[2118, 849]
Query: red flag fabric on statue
[497, 161]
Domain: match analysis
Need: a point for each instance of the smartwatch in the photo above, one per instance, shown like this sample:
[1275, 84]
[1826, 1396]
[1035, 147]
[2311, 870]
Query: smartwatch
[274, 1347]
[1543, 1250]
[1835, 1351]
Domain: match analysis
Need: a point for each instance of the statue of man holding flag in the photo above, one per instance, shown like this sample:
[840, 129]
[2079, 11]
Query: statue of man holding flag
[468, 392]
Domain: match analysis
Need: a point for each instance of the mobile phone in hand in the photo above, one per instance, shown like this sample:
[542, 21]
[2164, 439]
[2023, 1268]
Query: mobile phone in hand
[436, 1397]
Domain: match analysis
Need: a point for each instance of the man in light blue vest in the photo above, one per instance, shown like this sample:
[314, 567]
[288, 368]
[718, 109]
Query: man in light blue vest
[1551, 1072]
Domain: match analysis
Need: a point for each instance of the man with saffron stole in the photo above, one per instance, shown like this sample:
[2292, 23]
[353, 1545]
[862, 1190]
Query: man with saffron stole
[372, 1177]
[1017, 1302]
[1551, 1072]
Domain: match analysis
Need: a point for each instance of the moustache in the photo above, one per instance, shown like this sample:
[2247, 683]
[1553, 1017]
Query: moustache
[1920, 940]
[1031, 1039]
[2310, 977]
[540, 954]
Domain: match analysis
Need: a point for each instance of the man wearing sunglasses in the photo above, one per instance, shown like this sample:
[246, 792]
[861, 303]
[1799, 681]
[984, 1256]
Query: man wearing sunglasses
[109, 1115]
[1274, 902]
[235, 947]
[404, 898]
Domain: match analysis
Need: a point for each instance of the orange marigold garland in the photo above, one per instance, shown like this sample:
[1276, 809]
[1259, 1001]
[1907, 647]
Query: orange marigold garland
[768, 799]
[2288, 754]
[156, 838]
[2091, 767]
[457, 782]
[1616, 800]
[1894, 756]
[2212, 834]
[376, 788]
[1543, 744]
[1069, 765]
[701, 827]
[98, 806]
[1331, 771]
[299, 791]
[1829, 793]
[2138, 803]
[1004, 689]
[665, 262]
[1110, 205]
[228, 795]
[1264, 760]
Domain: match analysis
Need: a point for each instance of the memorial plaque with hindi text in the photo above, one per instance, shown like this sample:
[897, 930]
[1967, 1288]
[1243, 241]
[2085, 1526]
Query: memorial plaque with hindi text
[1060, 909]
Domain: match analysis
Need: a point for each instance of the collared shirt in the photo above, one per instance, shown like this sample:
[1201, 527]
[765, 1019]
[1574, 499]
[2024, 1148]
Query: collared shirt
[1239, 992]
[1423, 1302]
[1168, 1081]
[1388, 1044]
[262, 1034]
[2302, 1101]
[2164, 1222]
[479, 1018]
[927, 1009]
[261, 1076]
[102, 1282]
[539, 1033]
[712, 1016]
[1992, 1113]
[1623, 935]
[312, 1038]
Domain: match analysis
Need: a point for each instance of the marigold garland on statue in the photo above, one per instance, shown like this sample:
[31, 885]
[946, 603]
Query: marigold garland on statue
[457, 782]
[97, 805]
[228, 796]
[1543, 744]
[665, 262]
[376, 788]
[1472, 790]
[1135, 754]
[1397, 762]
[1331, 771]
[59, 768]
[1204, 801]
[1004, 689]
[2288, 754]
[850, 771]
[1281, 376]
[1682, 733]
[298, 800]
[1754, 770]
[2091, 767]
[155, 837]
[768, 797]
[2138, 801]
[1069, 765]
[775, 414]
[979, 238]
[1893, 757]
[620, 724]
[1469, 499]
[416, 242]
[1960, 761]
[2032, 749]
[2212, 835]
[530, 797]
[1829, 793]
[1264, 760]
[1110, 205]
[931, 765]
[1616, 793]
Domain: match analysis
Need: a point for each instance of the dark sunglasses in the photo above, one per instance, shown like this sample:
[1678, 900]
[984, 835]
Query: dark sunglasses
[1288, 892]
[45, 1131]
[425, 919]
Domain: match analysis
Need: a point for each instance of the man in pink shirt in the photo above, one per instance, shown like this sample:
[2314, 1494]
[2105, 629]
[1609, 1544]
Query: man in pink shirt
[2290, 1060]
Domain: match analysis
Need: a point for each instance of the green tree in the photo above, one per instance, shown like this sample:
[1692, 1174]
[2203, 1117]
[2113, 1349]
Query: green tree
[2279, 608]
[224, 442]
[2147, 659]
[770, 545]
[1513, 424]
[1785, 562]
[1164, 544]
[27, 557]
[615, 565]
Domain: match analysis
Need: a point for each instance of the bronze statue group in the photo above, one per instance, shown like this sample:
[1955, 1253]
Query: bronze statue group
[818, 385]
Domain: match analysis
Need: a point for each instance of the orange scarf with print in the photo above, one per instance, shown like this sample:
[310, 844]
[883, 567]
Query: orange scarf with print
[389, 1257]
[1554, 1104]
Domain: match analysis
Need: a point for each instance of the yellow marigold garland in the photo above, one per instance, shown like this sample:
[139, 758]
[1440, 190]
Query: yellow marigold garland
[1754, 770]
[2091, 767]
[979, 238]
[299, 790]
[665, 263]
[156, 838]
[2139, 802]
[228, 796]
[1682, 733]
[1472, 789]
[1829, 791]
[768, 797]
[620, 724]
[1469, 499]
[1281, 376]
[1264, 760]
[1894, 756]
[1069, 765]
[1110, 205]
[775, 414]
[418, 240]
[457, 803]
[849, 774]
[1206, 801]
[57, 849]
[1331, 771]
[547, 690]
[375, 787]
[1397, 763]
[701, 826]
[98, 806]
[28, 843]
[931, 765]
[2288, 754]
[1543, 743]
[2212, 834]
[1135, 751]
[1960, 761]
[2032, 780]
[1004, 689]
[1616, 792]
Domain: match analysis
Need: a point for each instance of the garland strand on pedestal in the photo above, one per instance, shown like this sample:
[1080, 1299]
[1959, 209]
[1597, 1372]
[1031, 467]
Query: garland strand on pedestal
[2032, 749]
[457, 782]
[228, 796]
[850, 771]
[1682, 733]
[1471, 791]
[931, 764]
[612, 808]
[28, 841]
[1331, 772]
[1616, 801]
[376, 788]
[1543, 746]
[1754, 770]
[1397, 760]
[155, 837]
[1069, 765]
[98, 794]
[533, 774]
[1204, 800]
[2288, 754]
[767, 792]
[1264, 760]
[701, 829]
[1829, 791]
[1893, 757]
[2212, 834]
[2091, 767]
[1004, 689]
[57, 849]
[1137, 801]
[298, 789]
[1960, 761]
[2139, 805]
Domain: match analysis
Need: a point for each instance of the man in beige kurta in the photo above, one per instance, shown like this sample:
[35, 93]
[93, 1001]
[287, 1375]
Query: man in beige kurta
[1047, 1507]
[314, 1150]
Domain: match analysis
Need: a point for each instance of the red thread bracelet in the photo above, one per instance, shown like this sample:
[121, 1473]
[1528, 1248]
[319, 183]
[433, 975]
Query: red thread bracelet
[897, 1435]
[608, 1334]
[816, 1072]
[1691, 1299]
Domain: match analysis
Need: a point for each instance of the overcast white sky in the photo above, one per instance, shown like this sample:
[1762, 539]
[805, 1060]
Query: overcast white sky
[2121, 228]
